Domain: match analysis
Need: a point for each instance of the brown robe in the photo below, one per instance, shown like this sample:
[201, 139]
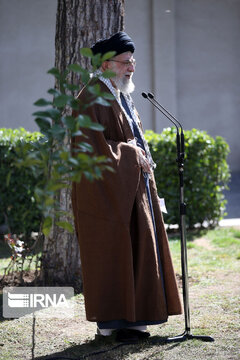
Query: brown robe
[121, 277]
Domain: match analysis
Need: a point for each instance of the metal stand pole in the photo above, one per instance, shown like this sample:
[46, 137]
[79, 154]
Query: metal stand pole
[187, 333]
[180, 160]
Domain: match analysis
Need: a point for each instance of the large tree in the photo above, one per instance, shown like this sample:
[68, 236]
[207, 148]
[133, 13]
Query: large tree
[79, 23]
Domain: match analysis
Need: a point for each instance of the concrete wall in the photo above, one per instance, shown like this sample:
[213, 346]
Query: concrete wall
[152, 26]
[208, 76]
[195, 71]
[27, 35]
[187, 53]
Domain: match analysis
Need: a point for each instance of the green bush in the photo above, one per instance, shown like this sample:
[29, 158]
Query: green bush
[206, 175]
[18, 209]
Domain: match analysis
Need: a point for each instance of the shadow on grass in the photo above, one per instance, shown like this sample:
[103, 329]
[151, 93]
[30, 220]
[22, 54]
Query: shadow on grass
[107, 350]
[191, 235]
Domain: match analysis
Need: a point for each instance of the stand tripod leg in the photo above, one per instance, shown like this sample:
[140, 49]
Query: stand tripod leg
[186, 336]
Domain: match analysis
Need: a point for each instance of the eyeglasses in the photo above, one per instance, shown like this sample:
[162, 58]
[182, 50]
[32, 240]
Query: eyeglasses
[126, 63]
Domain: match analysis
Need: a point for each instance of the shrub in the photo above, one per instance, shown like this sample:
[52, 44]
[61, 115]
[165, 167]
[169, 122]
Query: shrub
[18, 209]
[206, 175]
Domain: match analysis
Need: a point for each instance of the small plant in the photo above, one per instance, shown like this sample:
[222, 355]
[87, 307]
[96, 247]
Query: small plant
[36, 167]
[52, 162]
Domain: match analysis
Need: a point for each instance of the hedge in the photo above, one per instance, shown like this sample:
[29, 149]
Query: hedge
[18, 210]
[206, 175]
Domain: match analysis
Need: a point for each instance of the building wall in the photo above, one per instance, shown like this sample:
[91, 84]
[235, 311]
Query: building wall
[27, 32]
[208, 76]
[187, 54]
[195, 69]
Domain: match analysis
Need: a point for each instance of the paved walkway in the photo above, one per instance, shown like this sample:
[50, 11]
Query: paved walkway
[233, 198]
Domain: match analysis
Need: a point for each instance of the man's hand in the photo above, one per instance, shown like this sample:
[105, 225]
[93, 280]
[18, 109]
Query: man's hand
[144, 161]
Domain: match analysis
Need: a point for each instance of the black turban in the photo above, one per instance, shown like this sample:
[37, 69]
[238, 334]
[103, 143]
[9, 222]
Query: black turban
[119, 42]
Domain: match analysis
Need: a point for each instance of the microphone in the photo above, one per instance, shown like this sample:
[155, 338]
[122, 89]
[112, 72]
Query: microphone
[151, 96]
[152, 101]
[167, 114]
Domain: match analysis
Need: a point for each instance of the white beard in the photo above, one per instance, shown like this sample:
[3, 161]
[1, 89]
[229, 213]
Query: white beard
[126, 86]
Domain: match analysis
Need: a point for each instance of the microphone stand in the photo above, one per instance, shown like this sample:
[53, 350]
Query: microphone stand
[180, 161]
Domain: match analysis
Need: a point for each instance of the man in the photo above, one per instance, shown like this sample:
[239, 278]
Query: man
[128, 277]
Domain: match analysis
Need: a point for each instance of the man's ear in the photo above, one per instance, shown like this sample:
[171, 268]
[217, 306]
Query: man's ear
[105, 65]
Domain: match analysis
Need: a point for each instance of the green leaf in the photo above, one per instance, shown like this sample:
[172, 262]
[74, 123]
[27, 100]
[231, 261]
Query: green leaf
[85, 77]
[85, 147]
[107, 74]
[96, 127]
[54, 71]
[54, 92]
[107, 96]
[77, 133]
[88, 176]
[58, 130]
[98, 172]
[96, 61]
[61, 100]
[42, 102]
[76, 68]
[99, 100]
[65, 225]
[64, 155]
[47, 225]
[108, 55]
[74, 103]
[86, 52]
[95, 89]
[70, 122]
[56, 186]
[49, 202]
[50, 113]
[85, 122]
[43, 123]
[73, 161]
[71, 87]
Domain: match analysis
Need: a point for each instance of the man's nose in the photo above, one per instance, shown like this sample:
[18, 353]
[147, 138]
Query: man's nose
[131, 67]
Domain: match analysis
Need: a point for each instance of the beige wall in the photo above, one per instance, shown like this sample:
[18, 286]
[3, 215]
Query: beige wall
[27, 31]
[187, 54]
[195, 45]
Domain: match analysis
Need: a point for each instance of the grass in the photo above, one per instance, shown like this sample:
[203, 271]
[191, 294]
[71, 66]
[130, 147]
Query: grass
[213, 266]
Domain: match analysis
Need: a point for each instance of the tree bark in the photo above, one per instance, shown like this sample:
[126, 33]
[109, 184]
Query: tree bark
[79, 23]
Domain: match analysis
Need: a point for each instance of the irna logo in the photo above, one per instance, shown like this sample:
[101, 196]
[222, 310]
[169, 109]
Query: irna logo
[44, 301]
[36, 300]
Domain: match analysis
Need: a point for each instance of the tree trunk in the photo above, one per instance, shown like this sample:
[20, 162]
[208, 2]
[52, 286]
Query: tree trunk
[79, 23]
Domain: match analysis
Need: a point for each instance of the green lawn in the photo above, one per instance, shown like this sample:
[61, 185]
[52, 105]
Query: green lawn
[213, 267]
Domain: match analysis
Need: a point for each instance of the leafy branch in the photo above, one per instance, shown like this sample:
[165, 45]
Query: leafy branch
[54, 165]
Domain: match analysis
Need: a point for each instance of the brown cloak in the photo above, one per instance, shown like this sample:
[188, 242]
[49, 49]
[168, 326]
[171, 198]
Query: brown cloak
[121, 278]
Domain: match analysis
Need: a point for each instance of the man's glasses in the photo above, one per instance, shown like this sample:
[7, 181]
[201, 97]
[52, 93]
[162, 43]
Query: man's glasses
[126, 63]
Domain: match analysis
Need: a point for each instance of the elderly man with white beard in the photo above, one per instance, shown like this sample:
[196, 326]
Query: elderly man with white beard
[128, 276]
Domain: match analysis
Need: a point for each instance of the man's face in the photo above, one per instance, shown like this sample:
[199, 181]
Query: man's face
[124, 66]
